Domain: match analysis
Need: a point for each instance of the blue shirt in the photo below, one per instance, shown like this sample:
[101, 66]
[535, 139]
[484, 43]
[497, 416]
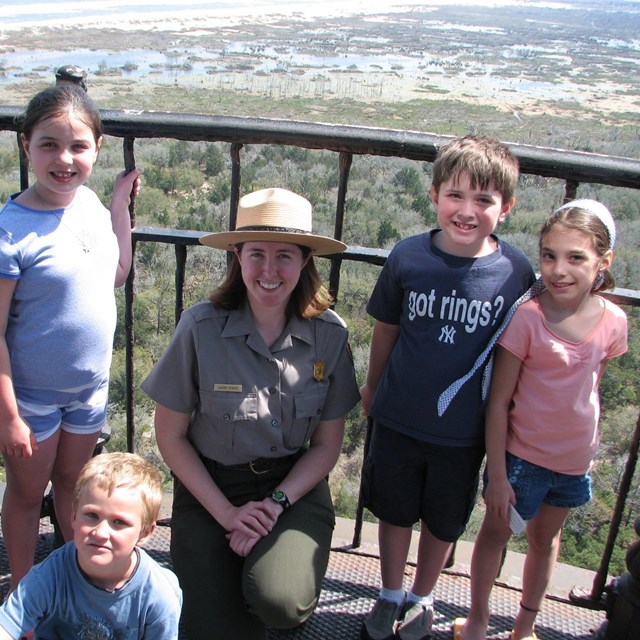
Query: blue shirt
[63, 311]
[57, 600]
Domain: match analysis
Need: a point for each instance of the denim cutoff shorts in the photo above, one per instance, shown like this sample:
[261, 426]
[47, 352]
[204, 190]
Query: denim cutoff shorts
[534, 485]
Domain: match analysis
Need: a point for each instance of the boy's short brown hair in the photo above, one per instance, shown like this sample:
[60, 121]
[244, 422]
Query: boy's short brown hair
[488, 163]
[110, 471]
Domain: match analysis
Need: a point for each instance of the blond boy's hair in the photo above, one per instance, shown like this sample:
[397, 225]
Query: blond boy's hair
[110, 471]
[488, 163]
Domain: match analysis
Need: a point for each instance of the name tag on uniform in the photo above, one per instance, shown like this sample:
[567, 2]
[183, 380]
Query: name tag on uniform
[230, 388]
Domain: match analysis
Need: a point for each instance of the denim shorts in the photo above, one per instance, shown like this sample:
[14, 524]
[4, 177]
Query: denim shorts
[80, 411]
[534, 485]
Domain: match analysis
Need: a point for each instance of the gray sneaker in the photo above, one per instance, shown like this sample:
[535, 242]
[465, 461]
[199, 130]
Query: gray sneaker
[381, 621]
[417, 622]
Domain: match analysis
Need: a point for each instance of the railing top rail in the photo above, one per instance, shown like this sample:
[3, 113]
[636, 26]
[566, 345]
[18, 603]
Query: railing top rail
[415, 145]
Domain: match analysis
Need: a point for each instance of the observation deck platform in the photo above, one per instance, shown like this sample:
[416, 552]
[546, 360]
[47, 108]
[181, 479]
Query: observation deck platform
[353, 580]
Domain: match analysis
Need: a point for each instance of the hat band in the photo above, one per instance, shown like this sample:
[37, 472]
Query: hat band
[273, 229]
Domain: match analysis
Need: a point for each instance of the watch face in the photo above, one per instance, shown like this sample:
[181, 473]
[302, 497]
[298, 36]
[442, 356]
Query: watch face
[280, 497]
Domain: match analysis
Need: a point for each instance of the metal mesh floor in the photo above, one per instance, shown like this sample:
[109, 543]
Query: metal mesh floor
[351, 587]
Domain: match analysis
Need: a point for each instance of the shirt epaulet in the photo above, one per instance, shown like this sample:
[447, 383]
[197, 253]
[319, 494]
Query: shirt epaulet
[332, 317]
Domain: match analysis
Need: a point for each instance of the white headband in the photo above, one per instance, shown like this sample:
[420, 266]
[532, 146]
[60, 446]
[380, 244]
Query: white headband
[598, 209]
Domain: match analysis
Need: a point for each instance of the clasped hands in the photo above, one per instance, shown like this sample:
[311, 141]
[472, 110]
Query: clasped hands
[250, 522]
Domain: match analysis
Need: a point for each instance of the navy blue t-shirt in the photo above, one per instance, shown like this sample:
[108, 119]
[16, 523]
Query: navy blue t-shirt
[447, 307]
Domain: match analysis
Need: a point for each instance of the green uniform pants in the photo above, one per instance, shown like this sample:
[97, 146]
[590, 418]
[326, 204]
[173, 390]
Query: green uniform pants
[277, 585]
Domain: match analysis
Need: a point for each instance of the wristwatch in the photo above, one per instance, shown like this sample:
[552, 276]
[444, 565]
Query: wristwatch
[280, 497]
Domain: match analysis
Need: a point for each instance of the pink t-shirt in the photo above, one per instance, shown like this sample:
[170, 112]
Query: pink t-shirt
[553, 420]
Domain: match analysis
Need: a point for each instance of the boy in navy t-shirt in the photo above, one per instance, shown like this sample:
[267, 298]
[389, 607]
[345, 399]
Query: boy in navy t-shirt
[438, 300]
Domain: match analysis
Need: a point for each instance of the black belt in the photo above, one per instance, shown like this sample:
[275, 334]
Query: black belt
[260, 465]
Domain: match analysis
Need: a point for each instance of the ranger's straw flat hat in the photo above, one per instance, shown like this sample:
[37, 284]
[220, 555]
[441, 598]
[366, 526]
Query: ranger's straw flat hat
[274, 215]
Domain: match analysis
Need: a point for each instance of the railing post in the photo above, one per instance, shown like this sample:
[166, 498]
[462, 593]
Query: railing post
[181, 268]
[129, 341]
[234, 152]
[357, 530]
[129, 165]
[623, 492]
[570, 190]
[24, 166]
[336, 263]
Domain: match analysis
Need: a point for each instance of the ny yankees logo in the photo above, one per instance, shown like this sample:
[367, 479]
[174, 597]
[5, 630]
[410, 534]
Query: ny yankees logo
[447, 334]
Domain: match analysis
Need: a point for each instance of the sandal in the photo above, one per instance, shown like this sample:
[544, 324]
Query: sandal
[458, 628]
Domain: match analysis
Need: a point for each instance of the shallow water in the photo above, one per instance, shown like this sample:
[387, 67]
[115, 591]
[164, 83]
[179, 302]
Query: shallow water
[307, 65]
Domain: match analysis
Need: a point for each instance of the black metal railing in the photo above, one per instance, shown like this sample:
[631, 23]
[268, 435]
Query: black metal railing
[572, 167]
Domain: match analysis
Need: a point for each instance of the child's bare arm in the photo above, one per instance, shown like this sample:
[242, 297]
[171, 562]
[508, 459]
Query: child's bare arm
[16, 439]
[384, 338]
[125, 185]
[506, 370]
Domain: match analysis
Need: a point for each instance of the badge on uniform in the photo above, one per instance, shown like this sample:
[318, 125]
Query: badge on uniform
[318, 370]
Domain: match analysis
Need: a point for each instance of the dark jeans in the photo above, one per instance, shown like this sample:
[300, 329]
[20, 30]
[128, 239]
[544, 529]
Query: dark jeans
[277, 584]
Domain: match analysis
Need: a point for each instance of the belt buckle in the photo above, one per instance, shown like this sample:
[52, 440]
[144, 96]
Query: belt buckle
[255, 470]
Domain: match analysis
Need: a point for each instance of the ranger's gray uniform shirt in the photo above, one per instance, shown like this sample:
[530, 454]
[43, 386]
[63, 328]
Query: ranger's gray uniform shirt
[247, 400]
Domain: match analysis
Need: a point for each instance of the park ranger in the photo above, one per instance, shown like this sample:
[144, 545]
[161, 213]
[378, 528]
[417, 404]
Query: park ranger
[251, 399]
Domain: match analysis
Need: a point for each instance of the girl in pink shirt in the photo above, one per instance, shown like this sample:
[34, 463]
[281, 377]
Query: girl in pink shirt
[543, 411]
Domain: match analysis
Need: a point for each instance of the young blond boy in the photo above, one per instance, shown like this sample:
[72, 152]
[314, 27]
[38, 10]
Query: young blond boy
[101, 585]
[438, 300]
